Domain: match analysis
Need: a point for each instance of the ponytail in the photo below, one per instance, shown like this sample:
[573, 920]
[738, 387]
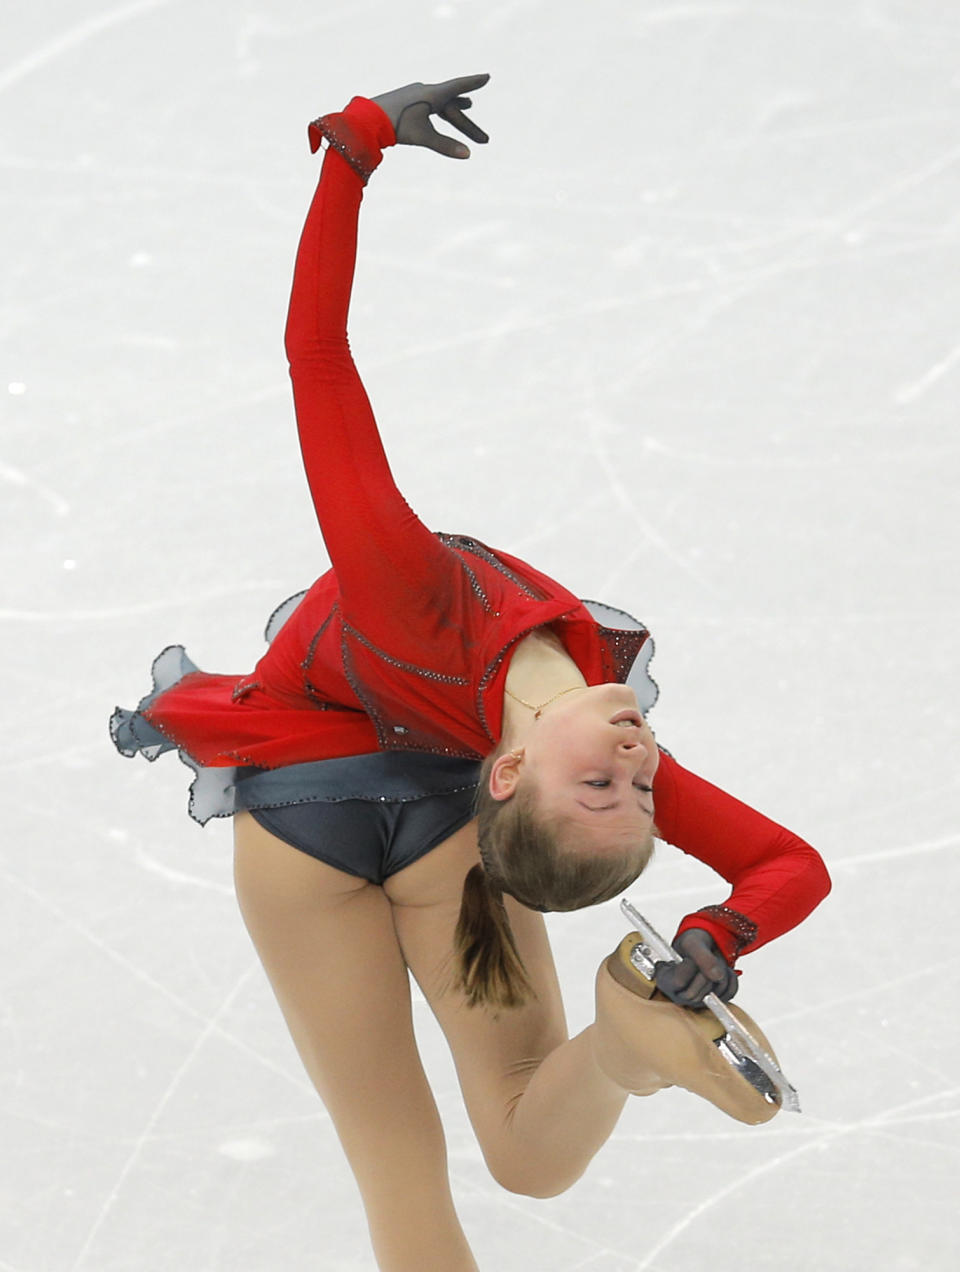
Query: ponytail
[488, 968]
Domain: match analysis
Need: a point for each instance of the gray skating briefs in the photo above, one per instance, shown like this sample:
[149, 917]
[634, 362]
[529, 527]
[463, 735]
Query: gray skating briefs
[368, 815]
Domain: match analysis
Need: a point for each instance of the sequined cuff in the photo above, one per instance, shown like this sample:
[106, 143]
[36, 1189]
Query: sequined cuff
[743, 930]
[360, 134]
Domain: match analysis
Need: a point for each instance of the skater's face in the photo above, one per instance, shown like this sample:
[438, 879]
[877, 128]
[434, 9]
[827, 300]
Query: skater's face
[592, 758]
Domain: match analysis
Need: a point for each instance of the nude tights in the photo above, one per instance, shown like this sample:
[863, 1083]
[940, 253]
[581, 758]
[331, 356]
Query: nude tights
[336, 950]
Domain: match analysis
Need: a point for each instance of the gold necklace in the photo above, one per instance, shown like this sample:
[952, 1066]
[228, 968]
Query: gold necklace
[535, 709]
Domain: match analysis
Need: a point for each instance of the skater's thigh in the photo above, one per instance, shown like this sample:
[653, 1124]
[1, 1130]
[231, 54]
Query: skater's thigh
[328, 944]
[495, 1052]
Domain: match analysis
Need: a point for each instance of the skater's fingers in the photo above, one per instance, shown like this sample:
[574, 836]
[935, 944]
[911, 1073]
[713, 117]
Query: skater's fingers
[700, 946]
[417, 130]
[466, 125]
[673, 979]
[730, 987]
[698, 989]
[690, 995]
[710, 964]
[723, 984]
[701, 970]
[409, 109]
[448, 89]
[694, 992]
[445, 145]
[701, 985]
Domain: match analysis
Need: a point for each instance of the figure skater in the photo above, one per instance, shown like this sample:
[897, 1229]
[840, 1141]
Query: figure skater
[419, 668]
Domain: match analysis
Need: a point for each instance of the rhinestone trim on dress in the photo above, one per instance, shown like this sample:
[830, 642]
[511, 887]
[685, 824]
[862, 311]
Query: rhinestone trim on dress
[356, 685]
[744, 929]
[313, 693]
[488, 676]
[325, 126]
[404, 666]
[389, 735]
[475, 584]
[463, 543]
[621, 649]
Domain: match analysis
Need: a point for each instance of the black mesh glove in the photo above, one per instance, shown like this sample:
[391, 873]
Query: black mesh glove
[702, 970]
[409, 110]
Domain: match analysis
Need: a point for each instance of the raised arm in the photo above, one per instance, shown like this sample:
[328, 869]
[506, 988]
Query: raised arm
[376, 543]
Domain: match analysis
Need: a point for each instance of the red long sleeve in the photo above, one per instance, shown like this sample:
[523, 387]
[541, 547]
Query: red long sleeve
[777, 879]
[381, 551]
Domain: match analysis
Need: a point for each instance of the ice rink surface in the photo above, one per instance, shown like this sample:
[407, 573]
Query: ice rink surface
[685, 335]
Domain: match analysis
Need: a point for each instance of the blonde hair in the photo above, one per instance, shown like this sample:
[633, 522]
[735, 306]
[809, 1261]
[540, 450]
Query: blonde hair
[538, 861]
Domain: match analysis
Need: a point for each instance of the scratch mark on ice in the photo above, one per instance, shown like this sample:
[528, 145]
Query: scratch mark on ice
[17, 478]
[132, 611]
[828, 1134]
[152, 866]
[823, 1005]
[907, 850]
[910, 392]
[202, 1037]
[78, 34]
[84, 933]
[644, 527]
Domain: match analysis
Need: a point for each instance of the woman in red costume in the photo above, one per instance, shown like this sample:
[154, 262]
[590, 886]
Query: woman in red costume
[416, 657]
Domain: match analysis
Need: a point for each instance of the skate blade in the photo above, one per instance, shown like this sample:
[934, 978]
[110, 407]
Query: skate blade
[737, 1046]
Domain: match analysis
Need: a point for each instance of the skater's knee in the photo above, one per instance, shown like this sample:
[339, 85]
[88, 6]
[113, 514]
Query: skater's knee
[539, 1188]
[533, 1179]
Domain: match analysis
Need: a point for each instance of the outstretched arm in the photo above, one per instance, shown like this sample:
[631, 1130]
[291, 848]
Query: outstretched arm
[376, 543]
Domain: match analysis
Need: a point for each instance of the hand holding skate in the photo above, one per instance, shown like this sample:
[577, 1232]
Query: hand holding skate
[701, 970]
[643, 1042]
[409, 110]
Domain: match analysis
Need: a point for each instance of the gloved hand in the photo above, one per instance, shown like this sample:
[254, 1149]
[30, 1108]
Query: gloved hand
[409, 110]
[702, 969]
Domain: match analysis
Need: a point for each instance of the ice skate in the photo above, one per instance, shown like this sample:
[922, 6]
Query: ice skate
[645, 1042]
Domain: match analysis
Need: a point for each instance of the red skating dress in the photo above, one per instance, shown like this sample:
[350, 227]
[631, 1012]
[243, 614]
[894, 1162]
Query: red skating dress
[404, 645]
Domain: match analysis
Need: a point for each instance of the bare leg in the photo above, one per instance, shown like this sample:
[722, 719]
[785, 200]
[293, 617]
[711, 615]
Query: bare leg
[538, 1101]
[328, 944]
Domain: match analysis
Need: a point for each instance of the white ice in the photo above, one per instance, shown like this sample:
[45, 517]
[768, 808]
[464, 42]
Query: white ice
[686, 335]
